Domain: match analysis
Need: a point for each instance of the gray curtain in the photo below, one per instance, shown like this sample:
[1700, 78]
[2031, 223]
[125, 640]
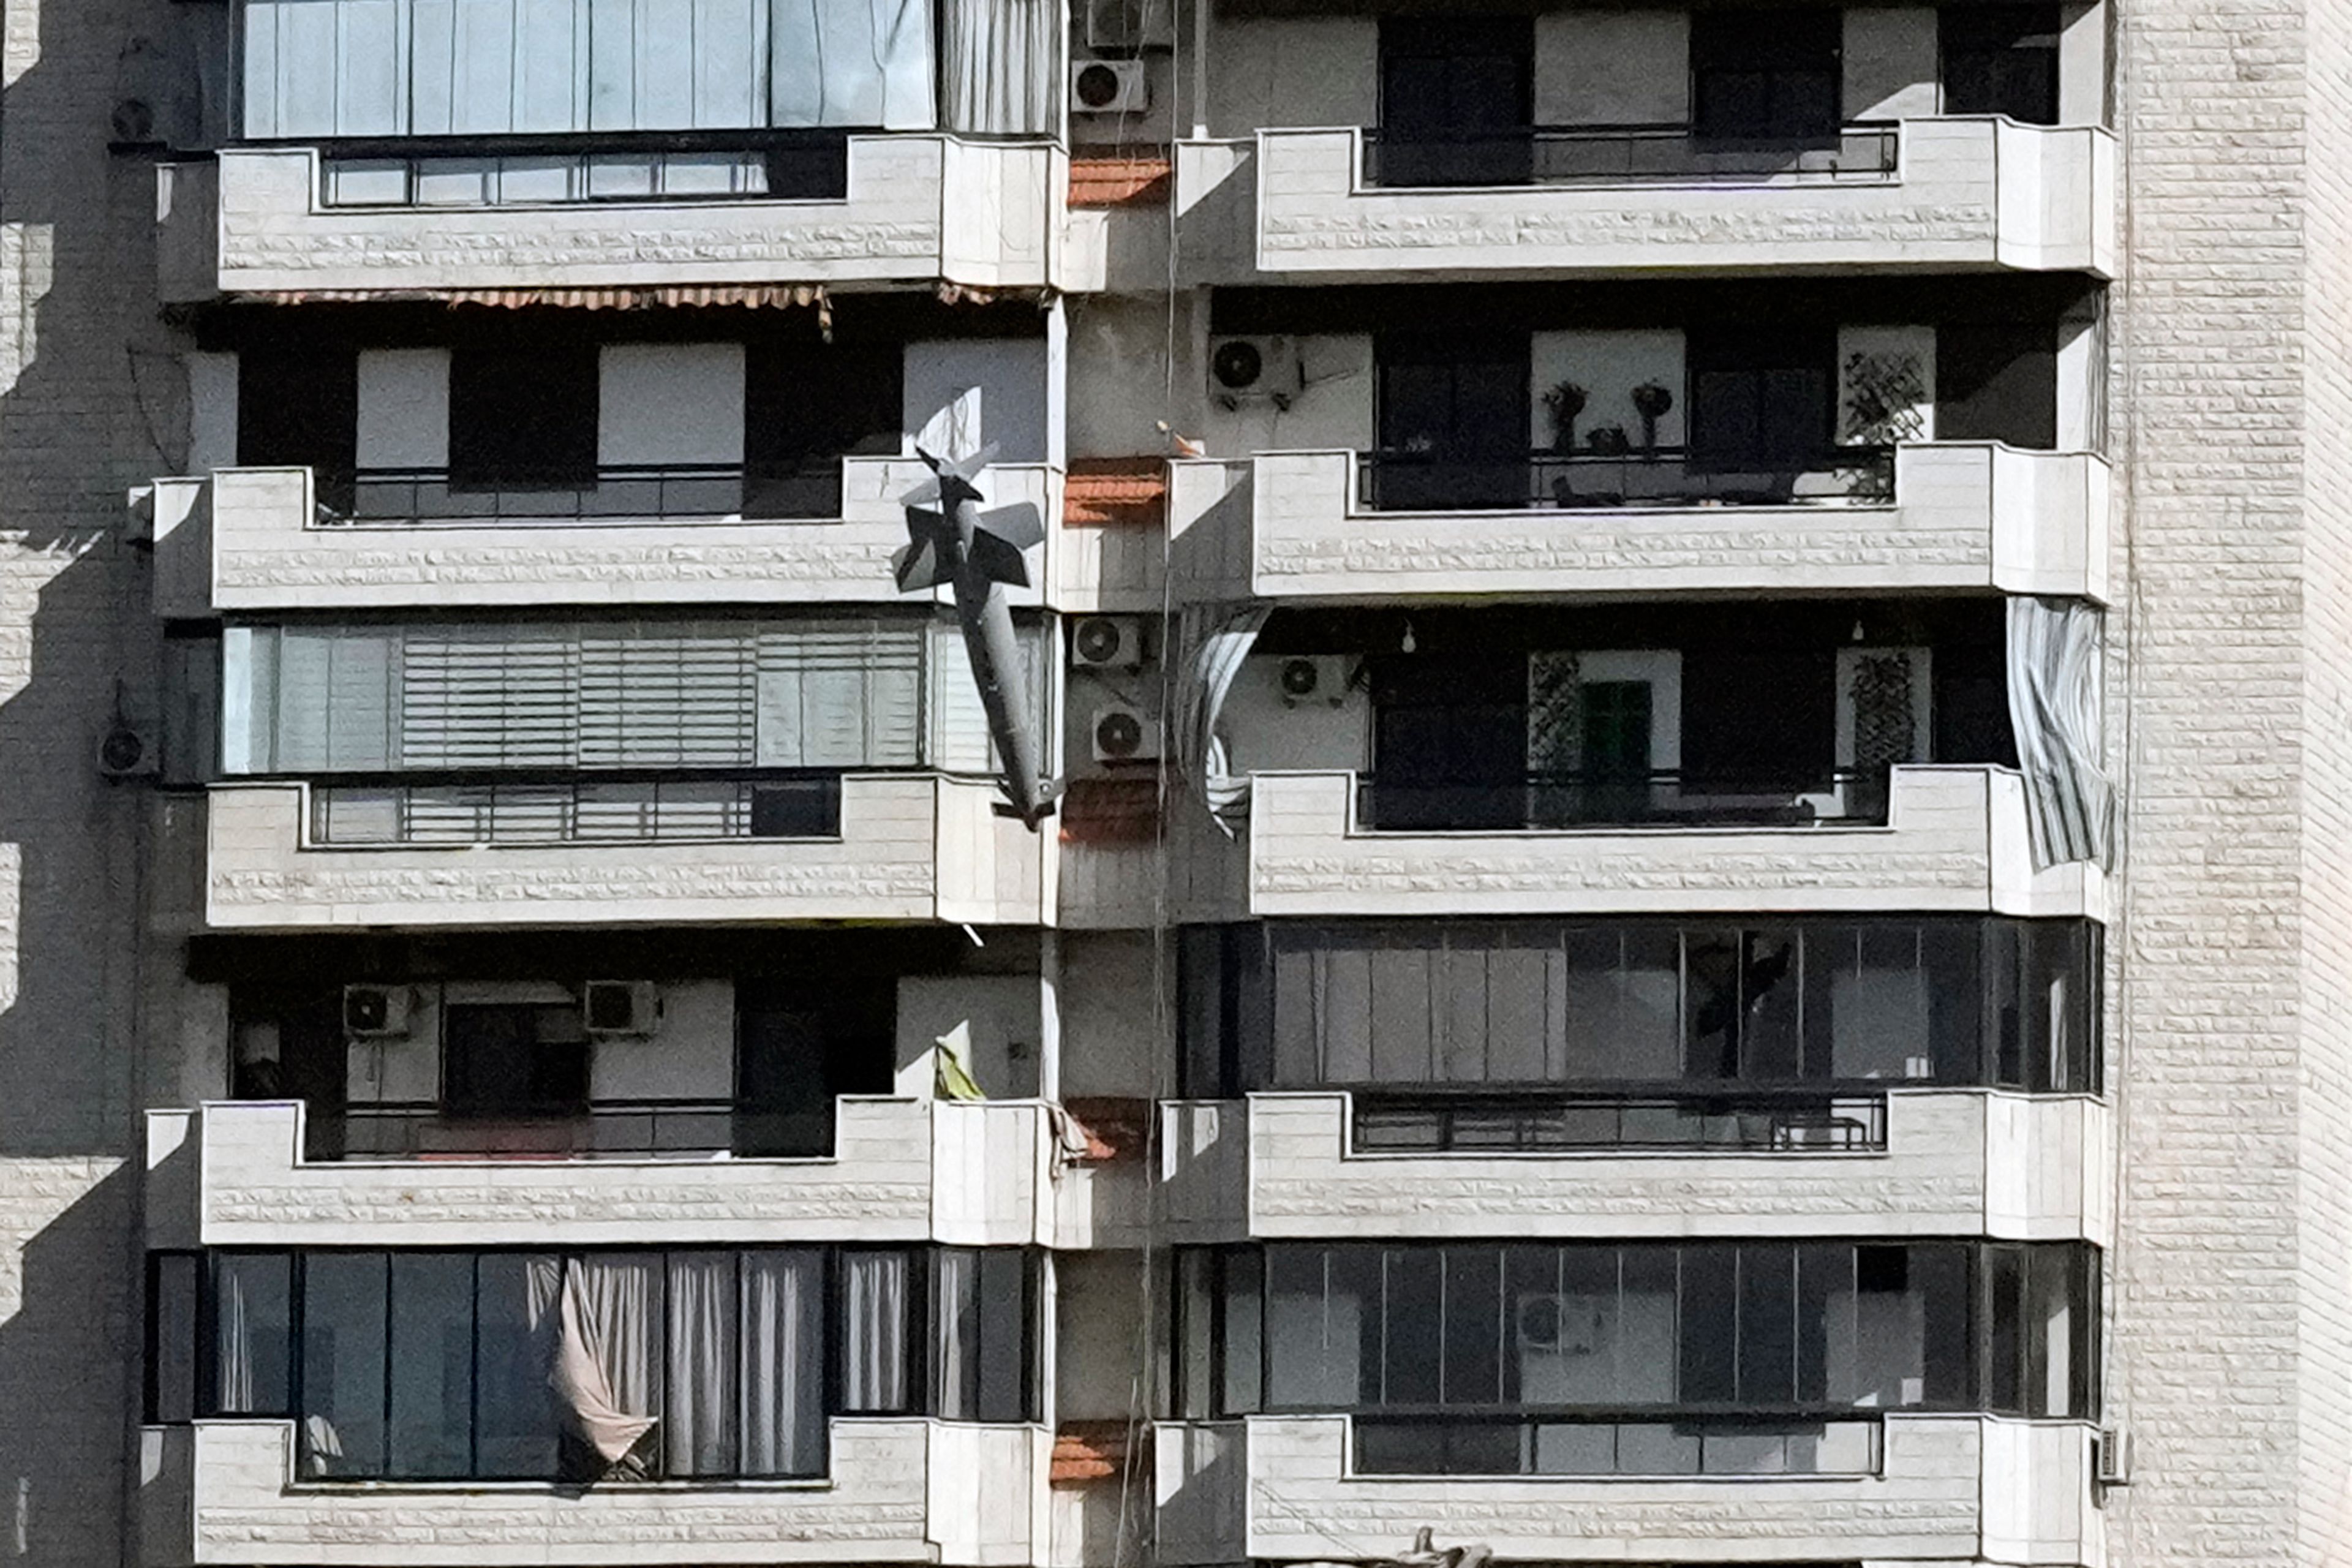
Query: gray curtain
[698, 1436]
[1215, 644]
[783, 1362]
[1001, 65]
[2054, 649]
[874, 1335]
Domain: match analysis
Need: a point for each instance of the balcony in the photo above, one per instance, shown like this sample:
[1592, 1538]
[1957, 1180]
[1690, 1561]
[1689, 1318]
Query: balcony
[1736, 1163]
[904, 847]
[1909, 1487]
[417, 216]
[233, 1175]
[1948, 838]
[1925, 517]
[897, 1491]
[1941, 193]
[253, 540]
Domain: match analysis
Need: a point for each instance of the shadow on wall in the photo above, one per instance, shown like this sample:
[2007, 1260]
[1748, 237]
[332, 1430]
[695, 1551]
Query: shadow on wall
[90, 403]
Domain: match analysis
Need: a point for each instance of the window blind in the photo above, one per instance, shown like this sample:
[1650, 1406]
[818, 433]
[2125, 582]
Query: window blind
[488, 696]
[441, 67]
[841, 696]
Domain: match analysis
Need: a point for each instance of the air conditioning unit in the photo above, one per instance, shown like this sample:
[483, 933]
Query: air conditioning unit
[1122, 735]
[1109, 87]
[1255, 370]
[620, 1009]
[1130, 23]
[1311, 677]
[375, 1012]
[2111, 1456]
[126, 751]
[1107, 642]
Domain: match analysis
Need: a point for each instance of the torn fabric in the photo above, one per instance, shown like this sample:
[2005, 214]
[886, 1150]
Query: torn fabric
[2055, 648]
[1216, 641]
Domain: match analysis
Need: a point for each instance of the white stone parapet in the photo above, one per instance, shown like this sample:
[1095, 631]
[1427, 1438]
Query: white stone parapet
[897, 1490]
[920, 207]
[1963, 515]
[912, 847]
[1954, 840]
[232, 1174]
[246, 540]
[1966, 192]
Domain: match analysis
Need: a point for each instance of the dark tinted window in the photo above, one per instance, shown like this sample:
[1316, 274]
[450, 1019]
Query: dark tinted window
[1456, 96]
[2001, 60]
[1767, 76]
[1997, 381]
[300, 410]
[523, 419]
[805, 407]
[1761, 398]
[507, 1060]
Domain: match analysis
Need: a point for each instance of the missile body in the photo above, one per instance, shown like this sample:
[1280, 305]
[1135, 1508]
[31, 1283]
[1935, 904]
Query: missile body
[951, 541]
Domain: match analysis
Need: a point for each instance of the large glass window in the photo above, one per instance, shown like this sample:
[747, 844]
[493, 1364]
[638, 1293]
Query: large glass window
[1587, 1358]
[592, 1365]
[1767, 76]
[1466, 1006]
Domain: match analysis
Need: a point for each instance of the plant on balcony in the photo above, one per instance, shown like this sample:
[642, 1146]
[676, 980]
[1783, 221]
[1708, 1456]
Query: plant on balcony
[1608, 441]
[1565, 402]
[1883, 396]
[1652, 403]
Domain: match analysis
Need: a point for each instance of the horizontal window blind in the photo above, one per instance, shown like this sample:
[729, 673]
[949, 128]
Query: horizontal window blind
[474, 68]
[830, 694]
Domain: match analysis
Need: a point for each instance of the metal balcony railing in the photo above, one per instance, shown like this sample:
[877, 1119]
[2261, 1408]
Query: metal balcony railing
[1664, 798]
[1625, 155]
[1532, 1441]
[1639, 476]
[1538, 1118]
[561, 170]
[522, 810]
[810, 489]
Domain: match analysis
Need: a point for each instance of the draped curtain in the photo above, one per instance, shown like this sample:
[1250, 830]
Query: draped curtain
[607, 1367]
[438, 67]
[2054, 649]
[784, 1363]
[1000, 66]
[873, 1337]
[1215, 647]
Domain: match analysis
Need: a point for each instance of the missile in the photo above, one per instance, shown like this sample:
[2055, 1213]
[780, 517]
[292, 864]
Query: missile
[951, 541]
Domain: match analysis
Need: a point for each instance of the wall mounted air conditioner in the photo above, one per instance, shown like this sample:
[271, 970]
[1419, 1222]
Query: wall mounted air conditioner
[1107, 642]
[1255, 370]
[620, 1009]
[1109, 87]
[1311, 677]
[1122, 735]
[375, 1012]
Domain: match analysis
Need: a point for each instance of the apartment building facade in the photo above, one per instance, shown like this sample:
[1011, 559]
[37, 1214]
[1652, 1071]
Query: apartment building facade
[1023, 784]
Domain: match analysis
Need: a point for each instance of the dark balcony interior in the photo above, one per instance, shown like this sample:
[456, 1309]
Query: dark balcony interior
[1761, 715]
[667, 166]
[585, 1367]
[1654, 1359]
[1530, 1035]
[497, 1041]
[1457, 100]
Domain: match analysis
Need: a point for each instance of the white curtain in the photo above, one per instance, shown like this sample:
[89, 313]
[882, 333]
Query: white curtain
[955, 1334]
[699, 1429]
[874, 1336]
[607, 1371]
[1216, 645]
[1001, 65]
[783, 1362]
[2054, 650]
[852, 62]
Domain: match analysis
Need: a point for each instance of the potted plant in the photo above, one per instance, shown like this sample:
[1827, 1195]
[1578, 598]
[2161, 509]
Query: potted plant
[1608, 441]
[1652, 403]
[1565, 401]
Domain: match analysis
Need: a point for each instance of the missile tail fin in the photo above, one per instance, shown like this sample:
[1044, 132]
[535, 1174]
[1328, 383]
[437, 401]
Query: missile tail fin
[999, 560]
[1019, 525]
[918, 565]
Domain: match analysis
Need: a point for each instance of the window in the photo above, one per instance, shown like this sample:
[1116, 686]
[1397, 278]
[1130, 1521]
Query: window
[2001, 60]
[174, 1283]
[1522, 1358]
[1457, 100]
[1758, 720]
[1760, 399]
[417, 1365]
[1450, 739]
[1452, 423]
[514, 1060]
[1441, 1008]
[1997, 381]
[1767, 76]
[523, 420]
[300, 408]
[806, 406]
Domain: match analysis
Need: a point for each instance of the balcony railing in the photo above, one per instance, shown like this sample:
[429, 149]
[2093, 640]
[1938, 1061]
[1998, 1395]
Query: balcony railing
[1666, 798]
[543, 171]
[1731, 1118]
[1744, 1441]
[607, 1129]
[809, 489]
[1625, 154]
[1644, 476]
[559, 809]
